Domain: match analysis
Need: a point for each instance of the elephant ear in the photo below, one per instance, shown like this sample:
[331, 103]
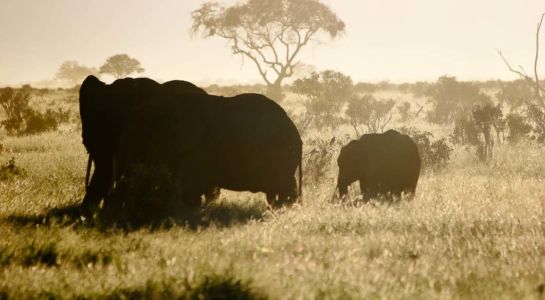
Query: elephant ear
[90, 88]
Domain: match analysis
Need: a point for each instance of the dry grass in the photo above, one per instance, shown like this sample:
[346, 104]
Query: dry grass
[472, 231]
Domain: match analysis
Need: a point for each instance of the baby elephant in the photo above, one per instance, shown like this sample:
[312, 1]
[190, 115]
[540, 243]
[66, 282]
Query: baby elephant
[386, 164]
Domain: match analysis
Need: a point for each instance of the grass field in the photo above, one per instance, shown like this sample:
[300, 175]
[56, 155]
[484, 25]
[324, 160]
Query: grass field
[473, 230]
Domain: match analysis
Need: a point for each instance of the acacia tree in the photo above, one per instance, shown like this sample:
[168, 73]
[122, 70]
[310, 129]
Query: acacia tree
[536, 111]
[73, 72]
[121, 65]
[271, 33]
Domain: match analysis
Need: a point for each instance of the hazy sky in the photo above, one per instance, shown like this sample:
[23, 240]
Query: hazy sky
[397, 40]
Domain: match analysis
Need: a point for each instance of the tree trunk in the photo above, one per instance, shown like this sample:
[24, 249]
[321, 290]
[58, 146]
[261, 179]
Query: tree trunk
[274, 91]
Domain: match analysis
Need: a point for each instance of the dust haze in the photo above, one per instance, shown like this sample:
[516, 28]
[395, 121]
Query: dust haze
[272, 149]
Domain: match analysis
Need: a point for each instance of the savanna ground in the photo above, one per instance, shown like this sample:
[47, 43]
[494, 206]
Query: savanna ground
[473, 230]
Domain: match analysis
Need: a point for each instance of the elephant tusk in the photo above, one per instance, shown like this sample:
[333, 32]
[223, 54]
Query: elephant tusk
[87, 174]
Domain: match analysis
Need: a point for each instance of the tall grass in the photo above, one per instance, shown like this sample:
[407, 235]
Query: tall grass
[473, 230]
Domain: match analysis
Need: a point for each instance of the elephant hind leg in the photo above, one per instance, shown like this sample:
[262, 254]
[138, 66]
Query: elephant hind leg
[272, 199]
[286, 194]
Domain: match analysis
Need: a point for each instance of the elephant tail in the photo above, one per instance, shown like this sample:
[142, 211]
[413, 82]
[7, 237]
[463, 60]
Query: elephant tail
[88, 173]
[301, 177]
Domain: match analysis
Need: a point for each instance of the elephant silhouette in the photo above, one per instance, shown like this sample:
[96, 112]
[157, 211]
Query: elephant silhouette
[386, 164]
[104, 109]
[241, 143]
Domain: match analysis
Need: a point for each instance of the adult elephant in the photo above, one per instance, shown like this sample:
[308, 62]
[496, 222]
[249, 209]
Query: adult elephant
[103, 110]
[385, 164]
[241, 143]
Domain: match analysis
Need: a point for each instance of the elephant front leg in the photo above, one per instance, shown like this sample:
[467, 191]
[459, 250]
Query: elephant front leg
[365, 192]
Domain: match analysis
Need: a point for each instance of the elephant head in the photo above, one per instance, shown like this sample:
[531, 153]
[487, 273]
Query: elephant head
[350, 163]
[91, 101]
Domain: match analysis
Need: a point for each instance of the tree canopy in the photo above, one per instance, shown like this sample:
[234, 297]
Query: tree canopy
[271, 33]
[73, 72]
[121, 65]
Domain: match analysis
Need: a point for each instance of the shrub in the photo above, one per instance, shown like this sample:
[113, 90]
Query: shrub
[434, 154]
[23, 120]
[10, 170]
[37, 122]
[515, 93]
[321, 159]
[518, 127]
[15, 104]
[374, 114]
[474, 128]
[450, 97]
[536, 113]
[324, 95]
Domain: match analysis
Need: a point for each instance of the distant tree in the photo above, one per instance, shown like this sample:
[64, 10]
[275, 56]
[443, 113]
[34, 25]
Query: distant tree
[365, 87]
[485, 117]
[474, 128]
[515, 93]
[121, 65]
[405, 112]
[271, 33]
[323, 95]
[73, 72]
[450, 97]
[302, 70]
[373, 113]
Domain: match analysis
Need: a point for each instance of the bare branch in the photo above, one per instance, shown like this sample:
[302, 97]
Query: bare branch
[538, 95]
[522, 75]
[238, 50]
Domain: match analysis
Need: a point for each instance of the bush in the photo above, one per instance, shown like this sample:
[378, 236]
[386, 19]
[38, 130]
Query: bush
[15, 104]
[10, 170]
[515, 93]
[518, 127]
[434, 154]
[450, 97]
[536, 113]
[324, 95]
[321, 159]
[37, 122]
[474, 128]
[374, 114]
[23, 120]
